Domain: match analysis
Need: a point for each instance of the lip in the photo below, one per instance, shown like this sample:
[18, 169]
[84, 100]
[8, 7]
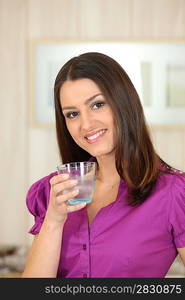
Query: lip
[97, 138]
[94, 132]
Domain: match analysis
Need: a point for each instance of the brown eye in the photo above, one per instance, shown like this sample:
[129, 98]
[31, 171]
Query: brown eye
[71, 114]
[98, 104]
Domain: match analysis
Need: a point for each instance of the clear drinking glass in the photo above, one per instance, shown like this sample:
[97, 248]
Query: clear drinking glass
[85, 173]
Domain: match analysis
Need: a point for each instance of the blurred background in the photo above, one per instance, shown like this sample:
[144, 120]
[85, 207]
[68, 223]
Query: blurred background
[28, 153]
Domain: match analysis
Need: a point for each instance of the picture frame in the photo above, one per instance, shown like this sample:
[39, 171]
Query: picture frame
[152, 66]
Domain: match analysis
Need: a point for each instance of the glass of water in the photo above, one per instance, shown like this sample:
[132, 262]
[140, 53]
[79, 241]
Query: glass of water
[85, 173]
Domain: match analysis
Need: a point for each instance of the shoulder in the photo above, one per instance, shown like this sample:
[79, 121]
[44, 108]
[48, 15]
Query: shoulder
[38, 193]
[172, 187]
[41, 185]
[177, 188]
[173, 180]
[176, 211]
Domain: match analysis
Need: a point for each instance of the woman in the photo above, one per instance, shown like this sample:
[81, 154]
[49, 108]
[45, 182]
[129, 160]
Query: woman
[135, 225]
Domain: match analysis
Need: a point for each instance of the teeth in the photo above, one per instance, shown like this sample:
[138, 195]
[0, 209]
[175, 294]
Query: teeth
[92, 137]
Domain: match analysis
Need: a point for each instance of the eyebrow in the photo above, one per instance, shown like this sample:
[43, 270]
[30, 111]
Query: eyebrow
[87, 101]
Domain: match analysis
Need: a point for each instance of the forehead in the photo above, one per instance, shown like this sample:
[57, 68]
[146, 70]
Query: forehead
[78, 90]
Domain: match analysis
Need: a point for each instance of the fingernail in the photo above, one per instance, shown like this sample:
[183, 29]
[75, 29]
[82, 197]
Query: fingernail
[73, 181]
[75, 192]
[83, 203]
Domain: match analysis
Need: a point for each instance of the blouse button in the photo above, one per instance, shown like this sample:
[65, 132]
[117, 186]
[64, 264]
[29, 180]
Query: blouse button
[84, 247]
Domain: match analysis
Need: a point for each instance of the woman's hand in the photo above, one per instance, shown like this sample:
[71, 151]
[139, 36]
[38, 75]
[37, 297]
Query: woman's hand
[59, 207]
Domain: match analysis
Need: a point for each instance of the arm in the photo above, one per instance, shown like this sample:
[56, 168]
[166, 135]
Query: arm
[181, 252]
[44, 255]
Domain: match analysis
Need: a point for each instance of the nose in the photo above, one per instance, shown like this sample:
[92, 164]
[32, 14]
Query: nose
[86, 121]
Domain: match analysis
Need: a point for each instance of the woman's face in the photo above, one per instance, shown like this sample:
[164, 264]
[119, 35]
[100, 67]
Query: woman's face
[88, 116]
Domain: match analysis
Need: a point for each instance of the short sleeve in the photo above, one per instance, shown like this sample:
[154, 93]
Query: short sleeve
[177, 210]
[37, 200]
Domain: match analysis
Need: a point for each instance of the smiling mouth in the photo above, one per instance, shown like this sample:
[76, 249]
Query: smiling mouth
[93, 138]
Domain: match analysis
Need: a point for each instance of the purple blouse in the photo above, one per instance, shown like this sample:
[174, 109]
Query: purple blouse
[122, 241]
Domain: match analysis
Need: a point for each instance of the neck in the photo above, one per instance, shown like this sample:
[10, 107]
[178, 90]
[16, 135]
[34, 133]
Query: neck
[107, 172]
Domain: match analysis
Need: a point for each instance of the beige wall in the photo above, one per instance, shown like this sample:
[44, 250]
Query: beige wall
[28, 153]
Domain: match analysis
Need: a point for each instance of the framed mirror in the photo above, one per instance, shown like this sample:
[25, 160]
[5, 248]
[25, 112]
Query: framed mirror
[157, 70]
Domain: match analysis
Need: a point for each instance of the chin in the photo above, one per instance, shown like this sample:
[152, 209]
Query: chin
[101, 152]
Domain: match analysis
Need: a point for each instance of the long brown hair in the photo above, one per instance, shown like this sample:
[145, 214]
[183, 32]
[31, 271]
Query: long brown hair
[136, 159]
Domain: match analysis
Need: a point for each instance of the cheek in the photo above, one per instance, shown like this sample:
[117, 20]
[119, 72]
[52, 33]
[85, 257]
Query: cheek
[114, 129]
[73, 130]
